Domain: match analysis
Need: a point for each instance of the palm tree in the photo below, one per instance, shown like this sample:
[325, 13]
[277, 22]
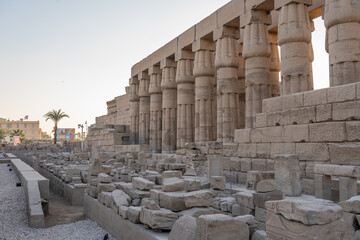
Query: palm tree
[2, 134]
[55, 116]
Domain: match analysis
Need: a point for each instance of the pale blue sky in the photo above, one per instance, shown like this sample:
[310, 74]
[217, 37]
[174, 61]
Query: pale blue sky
[77, 54]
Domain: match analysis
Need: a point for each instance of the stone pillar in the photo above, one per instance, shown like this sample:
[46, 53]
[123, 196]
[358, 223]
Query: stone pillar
[347, 188]
[294, 37]
[144, 108]
[205, 96]
[227, 64]
[311, 56]
[274, 66]
[342, 21]
[241, 87]
[256, 52]
[322, 185]
[134, 111]
[185, 98]
[169, 105]
[155, 109]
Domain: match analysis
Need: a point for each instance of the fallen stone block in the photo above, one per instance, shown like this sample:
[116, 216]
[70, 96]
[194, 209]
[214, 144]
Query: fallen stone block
[221, 227]
[123, 211]
[337, 170]
[201, 198]
[133, 214]
[253, 177]
[102, 197]
[162, 219]
[172, 200]
[266, 186]
[173, 184]
[245, 199]
[150, 204]
[197, 211]
[142, 183]
[171, 174]
[103, 178]
[106, 187]
[218, 183]
[119, 198]
[261, 198]
[351, 205]
[184, 228]
[192, 185]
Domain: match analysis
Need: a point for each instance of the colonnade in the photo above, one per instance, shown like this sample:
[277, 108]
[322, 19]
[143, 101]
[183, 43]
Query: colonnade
[205, 92]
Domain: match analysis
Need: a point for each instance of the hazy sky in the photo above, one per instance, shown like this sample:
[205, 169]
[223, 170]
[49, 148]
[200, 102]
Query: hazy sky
[77, 54]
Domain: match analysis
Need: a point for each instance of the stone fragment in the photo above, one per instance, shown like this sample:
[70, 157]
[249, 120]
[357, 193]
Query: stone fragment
[106, 187]
[261, 198]
[221, 227]
[218, 183]
[245, 199]
[133, 214]
[142, 183]
[173, 184]
[102, 197]
[172, 200]
[184, 228]
[150, 204]
[266, 186]
[119, 198]
[123, 211]
[162, 219]
[171, 174]
[351, 205]
[201, 198]
[253, 177]
[103, 178]
[192, 185]
[287, 174]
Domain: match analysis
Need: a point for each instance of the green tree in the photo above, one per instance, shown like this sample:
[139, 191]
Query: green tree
[19, 133]
[45, 136]
[2, 134]
[55, 116]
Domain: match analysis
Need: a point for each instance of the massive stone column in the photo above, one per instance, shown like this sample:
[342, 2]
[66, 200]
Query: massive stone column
[342, 21]
[169, 105]
[241, 87]
[205, 96]
[134, 110]
[155, 109]
[185, 98]
[256, 52]
[294, 37]
[274, 65]
[144, 108]
[227, 64]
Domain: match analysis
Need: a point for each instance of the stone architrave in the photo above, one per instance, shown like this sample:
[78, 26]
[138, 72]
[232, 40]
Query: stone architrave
[144, 108]
[185, 99]
[227, 64]
[134, 110]
[342, 21]
[169, 105]
[294, 37]
[205, 95]
[256, 52]
[155, 109]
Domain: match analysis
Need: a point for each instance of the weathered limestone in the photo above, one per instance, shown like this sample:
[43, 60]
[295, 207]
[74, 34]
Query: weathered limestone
[142, 183]
[201, 198]
[241, 87]
[185, 99]
[294, 37]
[144, 108]
[256, 52]
[351, 205]
[162, 219]
[173, 184]
[287, 174]
[205, 96]
[169, 105]
[221, 227]
[155, 109]
[342, 21]
[227, 63]
[184, 228]
[218, 183]
[274, 65]
[134, 110]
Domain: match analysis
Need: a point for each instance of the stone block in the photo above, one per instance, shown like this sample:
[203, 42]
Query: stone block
[106, 187]
[218, 183]
[296, 133]
[171, 174]
[261, 198]
[123, 211]
[337, 170]
[103, 178]
[237, 210]
[293, 101]
[259, 235]
[242, 135]
[263, 150]
[247, 150]
[246, 164]
[119, 198]
[230, 149]
[274, 119]
[150, 204]
[266, 186]
[245, 199]
[197, 212]
[184, 228]
[287, 174]
[142, 183]
[259, 164]
[253, 177]
[303, 115]
[215, 167]
[162, 219]
[272, 104]
[282, 148]
[314, 98]
[173, 184]
[260, 120]
[322, 185]
[307, 186]
[241, 177]
[221, 227]
[102, 197]
[192, 185]
[307, 211]
[347, 188]
[346, 111]
[312, 151]
[260, 214]
[201, 198]
[172, 200]
[351, 205]
[324, 113]
[345, 153]
[353, 131]
[341, 93]
[327, 132]
[133, 214]
[235, 164]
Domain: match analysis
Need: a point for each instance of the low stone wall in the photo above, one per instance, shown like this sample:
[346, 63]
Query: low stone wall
[36, 188]
[117, 226]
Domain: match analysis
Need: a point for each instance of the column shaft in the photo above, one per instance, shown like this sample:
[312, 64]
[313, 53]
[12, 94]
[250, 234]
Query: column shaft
[134, 111]
[155, 111]
[342, 21]
[274, 66]
[241, 89]
[144, 109]
[185, 102]
[205, 103]
[227, 63]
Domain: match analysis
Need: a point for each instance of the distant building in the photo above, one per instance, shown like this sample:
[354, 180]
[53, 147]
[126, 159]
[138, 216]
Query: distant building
[31, 129]
[65, 135]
